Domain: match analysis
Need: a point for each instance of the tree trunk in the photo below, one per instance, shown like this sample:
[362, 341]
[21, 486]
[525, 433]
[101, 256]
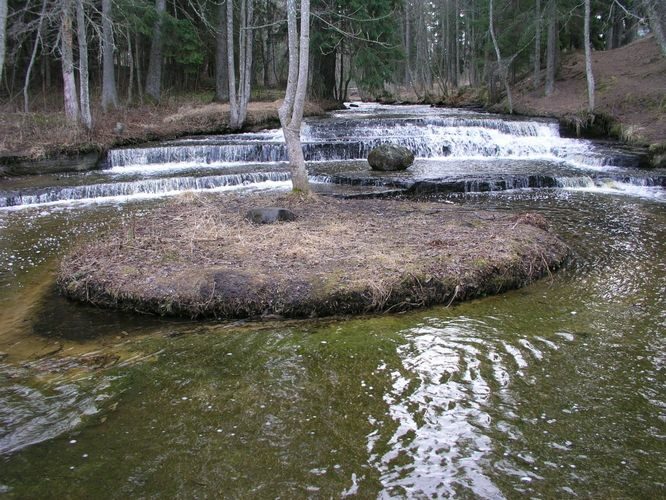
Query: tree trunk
[221, 76]
[109, 92]
[231, 67]
[408, 42]
[137, 62]
[69, 82]
[245, 66]
[291, 111]
[130, 63]
[3, 34]
[551, 48]
[33, 55]
[84, 79]
[588, 59]
[537, 47]
[154, 76]
[456, 39]
[656, 11]
[501, 68]
[239, 97]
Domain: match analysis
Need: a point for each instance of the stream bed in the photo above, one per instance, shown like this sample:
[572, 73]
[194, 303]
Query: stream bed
[557, 390]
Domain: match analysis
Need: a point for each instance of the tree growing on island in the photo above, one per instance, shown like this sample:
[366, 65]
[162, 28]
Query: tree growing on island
[291, 110]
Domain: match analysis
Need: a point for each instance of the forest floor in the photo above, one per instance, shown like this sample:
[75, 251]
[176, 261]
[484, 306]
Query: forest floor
[45, 134]
[630, 89]
[200, 257]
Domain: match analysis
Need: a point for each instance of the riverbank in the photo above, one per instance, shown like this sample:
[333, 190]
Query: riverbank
[199, 257]
[630, 97]
[37, 143]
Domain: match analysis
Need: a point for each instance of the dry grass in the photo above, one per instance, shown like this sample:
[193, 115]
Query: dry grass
[198, 256]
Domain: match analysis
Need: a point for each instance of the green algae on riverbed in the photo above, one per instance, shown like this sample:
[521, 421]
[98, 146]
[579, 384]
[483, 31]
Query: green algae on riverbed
[199, 257]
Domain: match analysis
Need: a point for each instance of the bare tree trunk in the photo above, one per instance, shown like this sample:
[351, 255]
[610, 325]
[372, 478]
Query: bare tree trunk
[291, 111]
[231, 66]
[503, 70]
[84, 83]
[656, 11]
[137, 62]
[456, 41]
[245, 64]
[537, 47]
[551, 48]
[588, 60]
[3, 34]
[239, 97]
[221, 68]
[130, 63]
[69, 82]
[109, 92]
[408, 41]
[154, 76]
[33, 55]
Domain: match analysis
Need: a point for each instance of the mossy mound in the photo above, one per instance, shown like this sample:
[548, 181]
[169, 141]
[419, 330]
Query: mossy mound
[199, 257]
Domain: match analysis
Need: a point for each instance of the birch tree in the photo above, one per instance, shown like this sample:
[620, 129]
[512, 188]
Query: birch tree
[239, 97]
[221, 68]
[537, 47]
[502, 68]
[154, 76]
[33, 56]
[656, 11]
[3, 34]
[84, 83]
[109, 93]
[551, 47]
[69, 82]
[291, 111]
[588, 59]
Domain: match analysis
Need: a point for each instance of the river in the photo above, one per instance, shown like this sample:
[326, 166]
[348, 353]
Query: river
[554, 390]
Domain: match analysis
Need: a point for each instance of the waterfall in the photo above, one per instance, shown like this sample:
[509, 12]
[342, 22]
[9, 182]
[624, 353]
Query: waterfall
[155, 187]
[457, 151]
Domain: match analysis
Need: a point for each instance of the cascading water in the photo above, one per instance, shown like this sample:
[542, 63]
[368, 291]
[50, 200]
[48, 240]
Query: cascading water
[456, 151]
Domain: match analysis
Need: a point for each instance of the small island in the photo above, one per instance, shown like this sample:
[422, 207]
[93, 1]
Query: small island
[201, 257]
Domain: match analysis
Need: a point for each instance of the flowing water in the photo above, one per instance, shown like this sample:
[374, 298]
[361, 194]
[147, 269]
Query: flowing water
[556, 390]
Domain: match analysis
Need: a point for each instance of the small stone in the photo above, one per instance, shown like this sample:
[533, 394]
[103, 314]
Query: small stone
[269, 215]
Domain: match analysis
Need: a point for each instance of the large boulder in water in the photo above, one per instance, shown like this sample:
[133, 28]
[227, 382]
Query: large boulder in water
[389, 158]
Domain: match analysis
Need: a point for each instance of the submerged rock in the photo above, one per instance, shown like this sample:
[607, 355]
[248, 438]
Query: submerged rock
[389, 158]
[269, 215]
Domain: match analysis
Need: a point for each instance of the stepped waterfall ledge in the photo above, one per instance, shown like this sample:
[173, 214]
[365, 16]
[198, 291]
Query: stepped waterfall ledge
[456, 151]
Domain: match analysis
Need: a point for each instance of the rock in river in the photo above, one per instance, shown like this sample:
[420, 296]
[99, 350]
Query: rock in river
[389, 158]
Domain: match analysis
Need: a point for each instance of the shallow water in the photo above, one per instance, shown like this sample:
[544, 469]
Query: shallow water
[556, 390]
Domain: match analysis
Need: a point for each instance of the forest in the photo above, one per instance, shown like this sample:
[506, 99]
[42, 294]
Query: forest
[86, 56]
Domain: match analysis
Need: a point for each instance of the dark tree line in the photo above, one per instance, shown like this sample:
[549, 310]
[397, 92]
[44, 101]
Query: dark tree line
[120, 52]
